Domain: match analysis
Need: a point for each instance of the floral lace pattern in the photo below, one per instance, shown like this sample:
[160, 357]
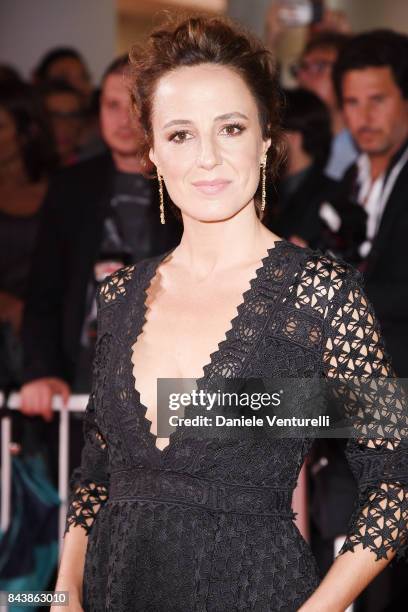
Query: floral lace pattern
[89, 490]
[356, 358]
[206, 524]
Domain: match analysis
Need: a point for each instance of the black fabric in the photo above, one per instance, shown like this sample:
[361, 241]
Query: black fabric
[132, 192]
[17, 240]
[333, 490]
[206, 523]
[298, 201]
[68, 246]
[386, 271]
[297, 212]
[127, 237]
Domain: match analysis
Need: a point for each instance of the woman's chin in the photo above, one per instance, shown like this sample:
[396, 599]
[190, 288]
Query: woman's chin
[212, 214]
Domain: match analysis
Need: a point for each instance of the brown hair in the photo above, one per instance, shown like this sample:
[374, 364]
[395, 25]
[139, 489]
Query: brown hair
[216, 40]
[120, 65]
[327, 40]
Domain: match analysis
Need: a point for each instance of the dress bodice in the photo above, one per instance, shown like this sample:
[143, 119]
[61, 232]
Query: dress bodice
[305, 315]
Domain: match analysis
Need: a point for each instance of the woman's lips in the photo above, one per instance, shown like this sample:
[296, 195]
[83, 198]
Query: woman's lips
[211, 187]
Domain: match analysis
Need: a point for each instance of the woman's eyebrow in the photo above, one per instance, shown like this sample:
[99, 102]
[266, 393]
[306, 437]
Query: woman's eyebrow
[231, 116]
[224, 117]
[178, 122]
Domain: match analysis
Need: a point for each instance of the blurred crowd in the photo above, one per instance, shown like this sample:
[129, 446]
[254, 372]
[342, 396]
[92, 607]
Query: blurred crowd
[77, 203]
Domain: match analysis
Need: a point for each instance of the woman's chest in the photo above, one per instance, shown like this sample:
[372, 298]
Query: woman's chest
[267, 335]
[181, 331]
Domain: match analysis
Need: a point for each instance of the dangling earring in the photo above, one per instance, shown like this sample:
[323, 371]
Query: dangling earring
[263, 182]
[162, 219]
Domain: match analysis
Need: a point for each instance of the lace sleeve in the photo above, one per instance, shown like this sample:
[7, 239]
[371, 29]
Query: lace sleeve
[361, 376]
[89, 483]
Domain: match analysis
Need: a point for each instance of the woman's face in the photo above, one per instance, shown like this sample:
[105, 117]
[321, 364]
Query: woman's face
[207, 141]
[9, 142]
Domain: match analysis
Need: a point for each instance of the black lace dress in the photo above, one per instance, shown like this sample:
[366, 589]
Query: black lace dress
[206, 524]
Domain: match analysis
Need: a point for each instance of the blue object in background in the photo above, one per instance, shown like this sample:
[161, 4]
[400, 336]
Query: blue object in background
[29, 547]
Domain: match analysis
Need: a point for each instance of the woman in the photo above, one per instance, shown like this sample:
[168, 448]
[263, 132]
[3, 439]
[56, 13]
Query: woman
[188, 523]
[27, 157]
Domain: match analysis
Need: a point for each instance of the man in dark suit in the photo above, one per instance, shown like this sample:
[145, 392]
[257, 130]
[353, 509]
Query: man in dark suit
[99, 215]
[371, 79]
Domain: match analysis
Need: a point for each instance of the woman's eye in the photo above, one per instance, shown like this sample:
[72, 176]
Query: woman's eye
[233, 129]
[180, 136]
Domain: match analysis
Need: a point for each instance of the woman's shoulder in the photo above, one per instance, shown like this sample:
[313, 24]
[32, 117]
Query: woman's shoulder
[321, 277]
[316, 264]
[116, 287]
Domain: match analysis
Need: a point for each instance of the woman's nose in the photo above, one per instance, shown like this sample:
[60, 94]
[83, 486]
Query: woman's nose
[209, 155]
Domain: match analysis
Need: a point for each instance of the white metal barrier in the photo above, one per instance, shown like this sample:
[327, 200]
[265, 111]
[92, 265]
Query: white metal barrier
[76, 403]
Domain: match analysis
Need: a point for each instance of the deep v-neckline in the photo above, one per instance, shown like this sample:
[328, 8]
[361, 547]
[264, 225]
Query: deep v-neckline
[139, 321]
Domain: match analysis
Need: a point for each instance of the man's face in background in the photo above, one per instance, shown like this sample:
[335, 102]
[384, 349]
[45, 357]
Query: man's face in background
[375, 110]
[119, 126]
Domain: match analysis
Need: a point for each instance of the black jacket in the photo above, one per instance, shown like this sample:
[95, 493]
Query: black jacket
[386, 270]
[68, 246]
[300, 213]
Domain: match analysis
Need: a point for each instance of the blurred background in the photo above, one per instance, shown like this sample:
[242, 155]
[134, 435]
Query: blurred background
[76, 206]
[121, 23]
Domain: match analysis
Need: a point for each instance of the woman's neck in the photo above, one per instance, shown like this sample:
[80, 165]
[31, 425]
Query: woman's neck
[211, 247]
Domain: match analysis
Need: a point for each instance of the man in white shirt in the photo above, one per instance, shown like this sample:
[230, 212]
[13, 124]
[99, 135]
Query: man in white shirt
[371, 79]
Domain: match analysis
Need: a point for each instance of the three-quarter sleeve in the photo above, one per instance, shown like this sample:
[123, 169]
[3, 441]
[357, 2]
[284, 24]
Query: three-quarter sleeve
[89, 483]
[361, 377]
